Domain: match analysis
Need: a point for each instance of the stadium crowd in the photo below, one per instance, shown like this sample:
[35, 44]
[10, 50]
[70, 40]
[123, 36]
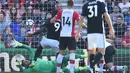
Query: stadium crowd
[17, 17]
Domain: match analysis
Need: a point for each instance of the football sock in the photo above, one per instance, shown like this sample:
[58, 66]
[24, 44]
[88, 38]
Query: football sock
[72, 62]
[59, 62]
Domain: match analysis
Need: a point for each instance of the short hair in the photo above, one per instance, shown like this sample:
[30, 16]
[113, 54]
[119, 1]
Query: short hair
[70, 3]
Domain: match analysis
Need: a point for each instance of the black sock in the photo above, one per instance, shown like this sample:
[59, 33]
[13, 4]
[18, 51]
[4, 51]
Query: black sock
[97, 58]
[91, 58]
[38, 52]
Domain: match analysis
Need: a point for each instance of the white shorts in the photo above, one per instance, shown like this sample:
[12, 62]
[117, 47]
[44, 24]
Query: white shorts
[96, 40]
[45, 42]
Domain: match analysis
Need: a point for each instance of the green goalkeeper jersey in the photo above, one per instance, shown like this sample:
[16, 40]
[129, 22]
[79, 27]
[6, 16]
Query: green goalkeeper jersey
[41, 65]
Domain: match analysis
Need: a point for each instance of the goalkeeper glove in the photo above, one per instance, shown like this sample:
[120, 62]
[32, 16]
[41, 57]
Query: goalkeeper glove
[85, 56]
[82, 68]
[32, 64]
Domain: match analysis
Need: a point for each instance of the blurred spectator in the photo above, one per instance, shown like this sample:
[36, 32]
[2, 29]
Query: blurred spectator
[28, 14]
[126, 39]
[116, 2]
[120, 27]
[17, 3]
[13, 13]
[42, 16]
[16, 28]
[8, 36]
[124, 5]
[4, 3]
[49, 5]
[34, 3]
[109, 5]
[30, 2]
[56, 9]
[127, 18]
[1, 42]
[0, 6]
[41, 4]
[3, 23]
[115, 14]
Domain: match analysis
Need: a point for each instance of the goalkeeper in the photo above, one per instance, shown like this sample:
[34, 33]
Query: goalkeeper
[41, 65]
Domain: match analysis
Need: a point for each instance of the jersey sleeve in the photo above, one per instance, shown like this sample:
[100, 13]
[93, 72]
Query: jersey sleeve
[58, 15]
[84, 12]
[76, 16]
[103, 7]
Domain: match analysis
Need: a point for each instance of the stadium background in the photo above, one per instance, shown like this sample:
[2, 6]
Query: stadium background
[30, 18]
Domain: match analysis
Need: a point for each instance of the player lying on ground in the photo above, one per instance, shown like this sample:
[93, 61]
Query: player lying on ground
[110, 51]
[41, 65]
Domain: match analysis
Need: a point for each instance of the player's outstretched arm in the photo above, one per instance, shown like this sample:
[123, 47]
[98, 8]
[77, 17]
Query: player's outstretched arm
[28, 48]
[109, 22]
[81, 22]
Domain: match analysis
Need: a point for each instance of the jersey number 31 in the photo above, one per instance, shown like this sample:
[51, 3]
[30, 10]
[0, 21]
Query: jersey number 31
[92, 11]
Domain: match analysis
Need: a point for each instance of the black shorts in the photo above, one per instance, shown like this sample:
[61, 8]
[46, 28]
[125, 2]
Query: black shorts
[67, 42]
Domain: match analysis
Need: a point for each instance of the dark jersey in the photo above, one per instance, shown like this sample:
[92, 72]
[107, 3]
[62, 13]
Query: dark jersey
[94, 10]
[53, 29]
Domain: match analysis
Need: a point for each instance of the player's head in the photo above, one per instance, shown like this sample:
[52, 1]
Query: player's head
[70, 3]
[26, 63]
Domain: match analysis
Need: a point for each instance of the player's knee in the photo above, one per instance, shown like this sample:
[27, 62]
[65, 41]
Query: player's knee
[110, 50]
[42, 43]
[101, 50]
[108, 59]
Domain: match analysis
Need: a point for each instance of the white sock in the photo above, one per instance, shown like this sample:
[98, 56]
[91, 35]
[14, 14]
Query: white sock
[72, 62]
[59, 62]
[101, 64]
[116, 68]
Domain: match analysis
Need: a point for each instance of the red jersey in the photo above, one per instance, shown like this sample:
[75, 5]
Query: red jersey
[68, 18]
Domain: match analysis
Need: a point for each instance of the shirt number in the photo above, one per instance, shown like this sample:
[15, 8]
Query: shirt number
[57, 26]
[66, 21]
[92, 11]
